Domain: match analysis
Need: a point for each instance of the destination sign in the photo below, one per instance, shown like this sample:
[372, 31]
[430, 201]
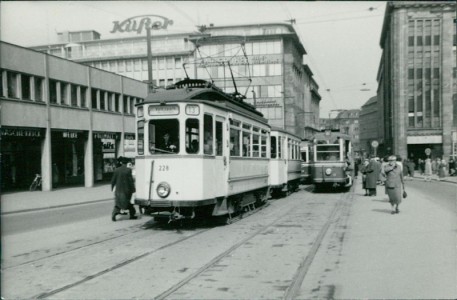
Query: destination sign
[241, 60]
[163, 110]
[138, 23]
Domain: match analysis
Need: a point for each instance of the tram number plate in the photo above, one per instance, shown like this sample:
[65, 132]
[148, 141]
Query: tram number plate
[163, 168]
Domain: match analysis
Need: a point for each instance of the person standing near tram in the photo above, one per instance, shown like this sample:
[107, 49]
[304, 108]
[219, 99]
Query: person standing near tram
[123, 187]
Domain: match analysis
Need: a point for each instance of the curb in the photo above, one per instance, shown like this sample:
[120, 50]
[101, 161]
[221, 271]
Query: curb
[53, 206]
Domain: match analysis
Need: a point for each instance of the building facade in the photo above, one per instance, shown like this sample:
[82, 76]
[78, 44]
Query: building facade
[417, 79]
[63, 120]
[370, 129]
[266, 61]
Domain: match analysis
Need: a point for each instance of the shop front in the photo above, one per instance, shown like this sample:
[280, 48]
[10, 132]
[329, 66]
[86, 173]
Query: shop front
[20, 156]
[105, 155]
[67, 157]
[130, 146]
[424, 147]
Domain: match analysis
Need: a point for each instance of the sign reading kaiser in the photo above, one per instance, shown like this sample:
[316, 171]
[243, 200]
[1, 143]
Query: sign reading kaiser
[137, 23]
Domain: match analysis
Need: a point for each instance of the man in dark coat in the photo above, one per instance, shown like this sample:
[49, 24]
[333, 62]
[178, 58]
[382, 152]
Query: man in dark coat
[123, 187]
[372, 171]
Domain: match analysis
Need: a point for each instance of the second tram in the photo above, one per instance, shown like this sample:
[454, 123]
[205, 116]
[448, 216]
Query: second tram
[331, 164]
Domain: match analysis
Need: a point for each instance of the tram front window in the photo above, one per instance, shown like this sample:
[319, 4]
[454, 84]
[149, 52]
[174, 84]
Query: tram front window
[328, 152]
[164, 136]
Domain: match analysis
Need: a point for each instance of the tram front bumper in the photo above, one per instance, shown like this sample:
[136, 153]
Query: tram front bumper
[174, 203]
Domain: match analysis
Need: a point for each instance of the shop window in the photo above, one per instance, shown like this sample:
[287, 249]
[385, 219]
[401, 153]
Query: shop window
[164, 136]
[192, 136]
[25, 87]
[38, 88]
[12, 85]
[219, 139]
[52, 91]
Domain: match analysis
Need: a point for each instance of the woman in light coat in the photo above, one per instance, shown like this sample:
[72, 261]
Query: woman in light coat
[394, 184]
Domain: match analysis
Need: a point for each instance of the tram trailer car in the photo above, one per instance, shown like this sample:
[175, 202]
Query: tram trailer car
[331, 163]
[305, 162]
[200, 153]
[285, 163]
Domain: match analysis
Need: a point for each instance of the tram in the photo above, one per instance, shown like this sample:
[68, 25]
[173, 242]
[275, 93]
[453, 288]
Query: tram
[285, 163]
[331, 160]
[305, 147]
[200, 153]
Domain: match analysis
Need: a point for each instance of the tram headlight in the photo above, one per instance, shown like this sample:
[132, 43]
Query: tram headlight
[163, 189]
[328, 171]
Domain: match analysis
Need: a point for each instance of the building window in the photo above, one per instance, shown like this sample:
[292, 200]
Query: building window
[25, 87]
[418, 73]
[125, 104]
[428, 40]
[419, 41]
[436, 73]
[410, 73]
[94, 98]
[131, 105]
[161, 63]
[52, 91]
[83, 91]
[411, 41]
[117, 100]
[110, 101]
[12, 84]
[436, 40]
[74, 93]
[64, 93]
[38, 88]
[177, 63]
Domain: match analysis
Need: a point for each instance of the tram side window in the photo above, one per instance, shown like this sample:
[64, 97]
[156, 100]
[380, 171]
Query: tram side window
[279, 147]
[219, 138]
[164, 136]
[140, 142]
[246, 144]
[192, 136]
[208, 134]
[234, 142]
[255, 144]
[273, 146]
[263, 147]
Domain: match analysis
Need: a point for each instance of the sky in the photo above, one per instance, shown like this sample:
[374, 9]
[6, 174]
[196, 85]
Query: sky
[341, 38]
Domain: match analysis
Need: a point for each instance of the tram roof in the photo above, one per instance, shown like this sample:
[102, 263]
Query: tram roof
[190, 90]
[274, 128]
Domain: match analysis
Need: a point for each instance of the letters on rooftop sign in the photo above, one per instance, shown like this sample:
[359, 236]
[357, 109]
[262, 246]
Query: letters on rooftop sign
[137, 23]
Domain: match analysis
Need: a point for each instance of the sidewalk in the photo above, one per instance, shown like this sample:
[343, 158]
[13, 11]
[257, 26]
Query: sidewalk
[410, 255]
[417, 176]
[29, 201]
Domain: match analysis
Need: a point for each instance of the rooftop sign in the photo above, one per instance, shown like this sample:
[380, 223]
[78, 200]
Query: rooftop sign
[137, 23]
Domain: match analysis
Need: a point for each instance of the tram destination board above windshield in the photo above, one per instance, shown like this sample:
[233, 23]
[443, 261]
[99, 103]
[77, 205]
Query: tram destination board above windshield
[163, 110]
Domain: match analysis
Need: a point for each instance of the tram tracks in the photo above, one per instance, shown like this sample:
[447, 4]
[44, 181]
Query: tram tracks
[291, 291]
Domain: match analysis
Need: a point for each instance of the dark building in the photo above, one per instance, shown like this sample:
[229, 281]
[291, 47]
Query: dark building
[417, 78]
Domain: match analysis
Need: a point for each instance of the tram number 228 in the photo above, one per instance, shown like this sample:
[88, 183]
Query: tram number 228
[163, 168]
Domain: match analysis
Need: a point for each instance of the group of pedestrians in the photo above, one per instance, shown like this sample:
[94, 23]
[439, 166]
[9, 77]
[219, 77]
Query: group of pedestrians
[437, 167]
[388, 173]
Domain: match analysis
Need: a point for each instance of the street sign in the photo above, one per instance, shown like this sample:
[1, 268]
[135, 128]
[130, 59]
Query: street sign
[428, 151]
[374, 144]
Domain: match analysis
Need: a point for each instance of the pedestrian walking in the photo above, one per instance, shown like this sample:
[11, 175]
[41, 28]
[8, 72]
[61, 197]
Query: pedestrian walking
[442, 172]
[394, 184]
[372, 171]
[363, 169]
[123, 187]
[421, 163]
[411, 167]
[428, 170]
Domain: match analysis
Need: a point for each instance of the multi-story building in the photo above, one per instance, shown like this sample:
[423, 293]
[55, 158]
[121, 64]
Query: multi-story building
[417, 78]
[63, 120]
[370, 129]
[265, 60]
